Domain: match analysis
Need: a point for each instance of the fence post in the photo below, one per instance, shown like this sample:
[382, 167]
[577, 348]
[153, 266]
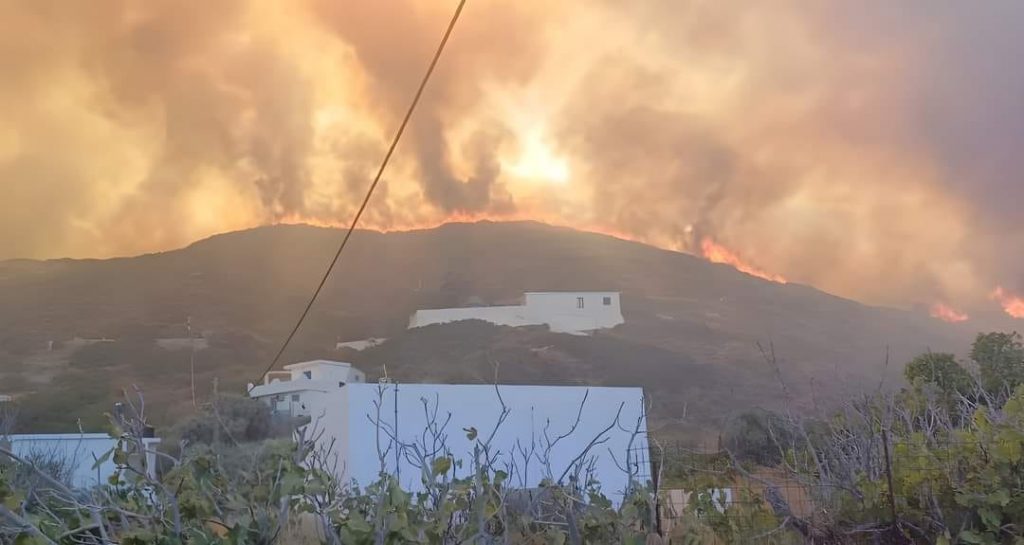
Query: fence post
[656, 471]
[888, 475]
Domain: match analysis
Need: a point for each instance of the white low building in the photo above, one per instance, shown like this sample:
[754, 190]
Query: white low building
[577, 312]
[375, 426]
[291, 391]
[77, 453]
[360, 345]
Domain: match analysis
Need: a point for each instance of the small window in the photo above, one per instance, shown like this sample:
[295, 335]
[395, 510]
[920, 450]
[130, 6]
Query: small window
[308, 375]
[295, 398]
[341, 384]
[579, 302]
[607, 301]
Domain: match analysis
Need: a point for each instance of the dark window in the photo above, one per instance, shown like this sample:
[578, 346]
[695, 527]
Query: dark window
[308, 374]
[295, 397]
[607, 301]
[579, 302]
[341, 384]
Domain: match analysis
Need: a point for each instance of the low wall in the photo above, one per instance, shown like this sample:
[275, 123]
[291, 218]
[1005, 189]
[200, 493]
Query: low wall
[78, 450]
[509, 316]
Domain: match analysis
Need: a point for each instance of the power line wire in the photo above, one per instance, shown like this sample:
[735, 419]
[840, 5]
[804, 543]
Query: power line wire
[369, 192]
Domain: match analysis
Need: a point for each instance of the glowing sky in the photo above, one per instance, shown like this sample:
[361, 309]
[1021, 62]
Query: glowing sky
[871, 149]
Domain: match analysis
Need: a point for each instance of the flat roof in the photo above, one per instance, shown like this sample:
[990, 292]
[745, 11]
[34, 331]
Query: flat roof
[314, 363]
[565, 292]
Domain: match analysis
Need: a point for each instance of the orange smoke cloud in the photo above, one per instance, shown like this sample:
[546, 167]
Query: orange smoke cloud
[1012, 304]
[716, 253]
[132, 127]
[947, 313]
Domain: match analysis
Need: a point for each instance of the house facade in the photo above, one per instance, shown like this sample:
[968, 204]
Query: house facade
[575, 312]
[368, 427]
[292, 391]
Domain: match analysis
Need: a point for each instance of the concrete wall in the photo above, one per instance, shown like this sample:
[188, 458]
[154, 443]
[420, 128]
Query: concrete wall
[326, 371]
[80, 450]
[514, 316]
[346, 418]
[564, 312]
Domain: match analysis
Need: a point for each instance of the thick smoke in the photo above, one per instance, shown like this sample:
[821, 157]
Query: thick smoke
[868, 149]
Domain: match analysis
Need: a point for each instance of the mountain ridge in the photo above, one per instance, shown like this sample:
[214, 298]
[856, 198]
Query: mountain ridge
[688, 321]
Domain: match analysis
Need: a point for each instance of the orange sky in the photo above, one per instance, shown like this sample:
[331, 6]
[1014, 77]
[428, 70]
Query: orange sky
[867, 150]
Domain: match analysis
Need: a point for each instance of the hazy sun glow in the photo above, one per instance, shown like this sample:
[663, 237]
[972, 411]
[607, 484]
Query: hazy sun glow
[537, 162]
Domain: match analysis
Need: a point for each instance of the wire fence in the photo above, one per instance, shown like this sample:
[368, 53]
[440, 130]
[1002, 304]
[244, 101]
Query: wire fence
[702, 484]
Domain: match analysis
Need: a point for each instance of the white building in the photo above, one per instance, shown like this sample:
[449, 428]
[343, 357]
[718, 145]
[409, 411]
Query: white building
[367, 425]
[361, 344]
[576, 312]
[292, 390]
[79, 452]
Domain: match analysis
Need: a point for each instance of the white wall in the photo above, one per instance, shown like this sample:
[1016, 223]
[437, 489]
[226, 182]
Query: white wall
[294, 396]
[514, 316]
[325, 370]
[560, 311]
[81, 450]
[347, 422]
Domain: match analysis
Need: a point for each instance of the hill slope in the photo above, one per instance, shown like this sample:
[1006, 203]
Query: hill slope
[692, 326]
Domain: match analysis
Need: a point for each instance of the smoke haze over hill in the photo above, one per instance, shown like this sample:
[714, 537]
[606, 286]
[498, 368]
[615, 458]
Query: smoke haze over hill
[868, 149]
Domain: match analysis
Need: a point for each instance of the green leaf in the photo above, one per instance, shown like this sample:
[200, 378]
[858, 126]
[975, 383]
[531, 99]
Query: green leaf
[991, 519]
[1000, 497]
[120, 455]
[358, 524]
[969, 536]
[441, 466]
[102, 459]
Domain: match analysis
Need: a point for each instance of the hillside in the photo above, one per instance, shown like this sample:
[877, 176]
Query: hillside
[691, 335]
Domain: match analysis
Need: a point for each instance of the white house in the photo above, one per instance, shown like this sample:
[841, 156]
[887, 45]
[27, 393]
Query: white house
[291, 391]
[576, 312]
[79, 452]
[372, 426]
[360, 345]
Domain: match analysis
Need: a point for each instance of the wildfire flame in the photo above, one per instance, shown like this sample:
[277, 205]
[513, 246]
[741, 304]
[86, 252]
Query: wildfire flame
[716, 253]
[710, 250]
[462, 217]
[947, 313]
[1012, 304]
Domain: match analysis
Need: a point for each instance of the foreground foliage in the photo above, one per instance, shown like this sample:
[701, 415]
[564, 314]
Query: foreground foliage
[941, 461]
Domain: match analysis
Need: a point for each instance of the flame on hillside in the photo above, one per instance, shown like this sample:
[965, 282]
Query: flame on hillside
[716, 253]
[463, 217]
[1012, 304]
[709, 249]
[947, 313]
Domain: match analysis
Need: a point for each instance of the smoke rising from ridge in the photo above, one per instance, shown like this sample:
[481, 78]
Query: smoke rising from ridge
[869, 150]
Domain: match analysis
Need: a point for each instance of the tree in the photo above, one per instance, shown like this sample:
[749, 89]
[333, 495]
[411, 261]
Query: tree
[758, 436]
[1000, 360]
[941, 370]
[228, 419]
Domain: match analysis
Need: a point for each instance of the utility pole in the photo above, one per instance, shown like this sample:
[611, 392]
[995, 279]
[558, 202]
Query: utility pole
[191, 360]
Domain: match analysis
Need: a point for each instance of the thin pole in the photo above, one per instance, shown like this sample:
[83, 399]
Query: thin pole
[192, 360]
